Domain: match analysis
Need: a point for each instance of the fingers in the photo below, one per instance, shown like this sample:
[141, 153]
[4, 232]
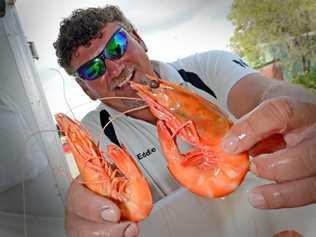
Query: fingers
[273, 116]
[77, 226]
[282, 195]
[88, 214]
[90, 206]
[289, 164]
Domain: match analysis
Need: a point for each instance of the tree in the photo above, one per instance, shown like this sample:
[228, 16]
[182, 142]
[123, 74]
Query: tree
[283, 29]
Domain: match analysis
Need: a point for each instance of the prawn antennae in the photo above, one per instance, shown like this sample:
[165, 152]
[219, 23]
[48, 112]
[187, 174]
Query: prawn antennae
[102, 98]
[64, 90]
[116, 117]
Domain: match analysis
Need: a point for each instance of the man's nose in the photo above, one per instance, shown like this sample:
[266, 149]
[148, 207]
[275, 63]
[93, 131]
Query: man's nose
[114, 67]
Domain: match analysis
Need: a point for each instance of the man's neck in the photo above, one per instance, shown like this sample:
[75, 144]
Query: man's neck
[144, 115]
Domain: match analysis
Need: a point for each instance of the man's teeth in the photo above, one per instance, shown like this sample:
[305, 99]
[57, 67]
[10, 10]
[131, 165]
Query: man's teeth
[126, 80]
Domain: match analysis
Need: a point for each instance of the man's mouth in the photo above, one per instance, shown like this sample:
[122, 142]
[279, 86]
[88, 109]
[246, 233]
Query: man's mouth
[129, 77]
[123, 79]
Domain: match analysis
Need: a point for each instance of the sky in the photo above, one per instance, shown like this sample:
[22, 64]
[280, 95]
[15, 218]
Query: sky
[171, 29]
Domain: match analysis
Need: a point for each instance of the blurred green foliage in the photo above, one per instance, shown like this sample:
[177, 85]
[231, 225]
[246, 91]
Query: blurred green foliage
[308, 81]
[277, 29]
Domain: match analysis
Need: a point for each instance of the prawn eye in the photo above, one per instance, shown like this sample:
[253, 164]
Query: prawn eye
[154, 84]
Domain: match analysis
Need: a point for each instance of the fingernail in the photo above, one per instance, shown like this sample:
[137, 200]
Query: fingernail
[256, 199]
[292, 139]
[131, 230]
[253, 168]
[108, 214]
[230, 144]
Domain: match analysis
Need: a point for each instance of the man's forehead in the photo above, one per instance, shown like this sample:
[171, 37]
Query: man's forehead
[105, 33]
[108, 30]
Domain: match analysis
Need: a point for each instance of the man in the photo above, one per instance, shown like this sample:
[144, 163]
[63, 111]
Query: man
[103, 50]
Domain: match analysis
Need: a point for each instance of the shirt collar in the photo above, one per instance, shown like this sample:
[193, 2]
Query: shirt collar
[167, 72]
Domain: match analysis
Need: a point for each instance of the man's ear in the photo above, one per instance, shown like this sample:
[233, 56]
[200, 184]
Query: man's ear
[86, 89]
[139, 39]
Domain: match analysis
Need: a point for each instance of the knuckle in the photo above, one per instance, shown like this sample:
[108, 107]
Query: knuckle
[280, 109]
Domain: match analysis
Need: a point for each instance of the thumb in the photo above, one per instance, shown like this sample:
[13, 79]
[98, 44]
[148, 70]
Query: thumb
[90, 206]
[278, 115]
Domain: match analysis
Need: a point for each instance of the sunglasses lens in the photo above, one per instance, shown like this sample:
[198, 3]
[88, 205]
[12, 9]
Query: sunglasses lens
[114, 49]
[92, 70]
[117, 45]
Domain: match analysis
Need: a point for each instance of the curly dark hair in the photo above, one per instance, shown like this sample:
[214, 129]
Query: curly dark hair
[82, 26]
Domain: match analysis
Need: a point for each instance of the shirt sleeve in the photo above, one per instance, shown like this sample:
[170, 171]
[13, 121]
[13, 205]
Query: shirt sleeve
[219, 70]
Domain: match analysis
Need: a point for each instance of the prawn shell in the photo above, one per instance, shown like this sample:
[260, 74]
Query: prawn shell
[131, 192]
[176, 108]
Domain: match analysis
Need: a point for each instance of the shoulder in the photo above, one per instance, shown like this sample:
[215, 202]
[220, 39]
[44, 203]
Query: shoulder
[92, 118]
[206, 56]
[209, 61]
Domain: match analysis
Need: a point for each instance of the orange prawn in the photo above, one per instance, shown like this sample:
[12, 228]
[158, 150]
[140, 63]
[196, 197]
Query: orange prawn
[206, 169]
[124, 184]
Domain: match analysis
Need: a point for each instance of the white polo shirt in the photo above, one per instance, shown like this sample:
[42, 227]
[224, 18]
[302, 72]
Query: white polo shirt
[219, 70]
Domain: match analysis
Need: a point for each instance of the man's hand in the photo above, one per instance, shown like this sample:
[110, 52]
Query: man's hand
[88, 214]
[293, 168]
